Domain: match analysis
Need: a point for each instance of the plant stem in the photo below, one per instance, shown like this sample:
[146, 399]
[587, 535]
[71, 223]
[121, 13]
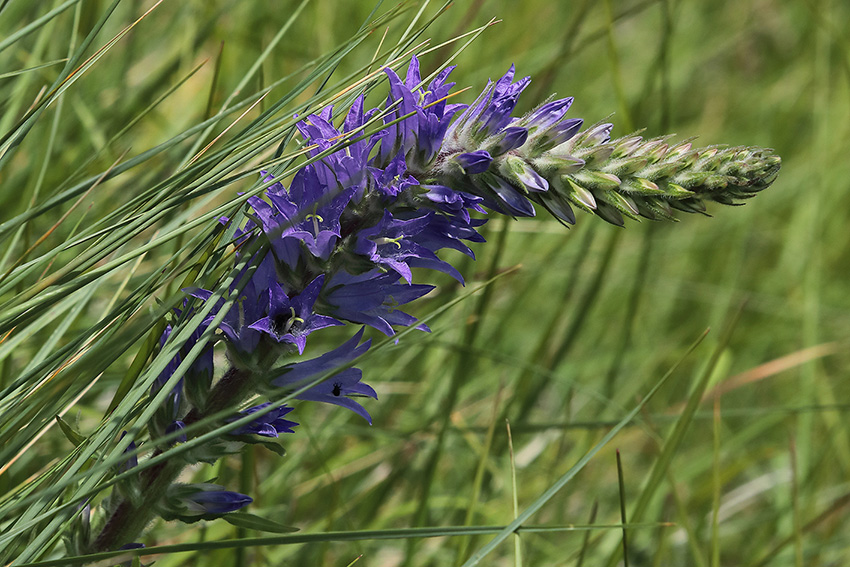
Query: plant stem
[128, 520]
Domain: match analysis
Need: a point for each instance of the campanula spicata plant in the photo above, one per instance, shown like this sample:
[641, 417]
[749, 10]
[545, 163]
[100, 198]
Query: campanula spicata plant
[344, 244]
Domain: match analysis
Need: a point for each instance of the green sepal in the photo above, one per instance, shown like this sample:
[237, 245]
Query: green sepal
[576, 194]
[196, 388]
[595, 155]
[681, 152]
[676, 191]
[716, 182]
[690, 206]
[596, 180]
[78, 537]
[551, 165]
[641, 186]
[254, 522]
[130, 488]
[609, 214]
[622, 203]
[212, 451]
[512, 169]
[661, 170]
[275, 448]
[625, 166]
[654, 150]
[624, 147]
[726, 199]
[657, 207]
[557, 206]
[706, 155]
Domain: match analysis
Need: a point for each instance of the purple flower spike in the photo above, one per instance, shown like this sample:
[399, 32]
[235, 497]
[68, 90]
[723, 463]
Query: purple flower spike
[291, 320]
[474, 162]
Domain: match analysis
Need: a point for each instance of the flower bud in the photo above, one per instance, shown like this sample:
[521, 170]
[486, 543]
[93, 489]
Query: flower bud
[202, 501]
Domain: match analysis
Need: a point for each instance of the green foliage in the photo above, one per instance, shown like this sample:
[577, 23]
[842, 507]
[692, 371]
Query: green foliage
[128, 128]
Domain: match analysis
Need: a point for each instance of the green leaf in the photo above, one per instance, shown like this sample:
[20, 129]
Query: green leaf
[254, 522]
[70, 433]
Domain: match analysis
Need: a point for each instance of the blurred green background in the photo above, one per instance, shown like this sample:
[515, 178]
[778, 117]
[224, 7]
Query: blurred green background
[565, 344]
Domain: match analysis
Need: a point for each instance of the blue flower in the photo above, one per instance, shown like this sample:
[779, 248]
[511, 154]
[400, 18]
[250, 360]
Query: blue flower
[448, 232]
[346, 167]
[192, 502]
[393, 179]
[392, 243]
[510, 138]
[291, 320]
[373, 299]
[454, 203]
[419, 137]
[337, 388]
[270, 424]
[491, 111]
[474, 162]
[547, 125]
[169, 369]
[174, 427]
[250, 306]
[306, 216]
[132, 461]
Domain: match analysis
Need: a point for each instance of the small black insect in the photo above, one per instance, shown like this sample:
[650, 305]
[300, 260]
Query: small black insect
[337, 389]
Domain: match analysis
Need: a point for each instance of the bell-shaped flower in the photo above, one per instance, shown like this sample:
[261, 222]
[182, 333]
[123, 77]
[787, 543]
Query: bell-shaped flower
[270, 424]
[201, 501]
[392, 243]
[250, 306]
[373, 299]
[307, 215]
[336, 388]
[418, 137]
[291, 320]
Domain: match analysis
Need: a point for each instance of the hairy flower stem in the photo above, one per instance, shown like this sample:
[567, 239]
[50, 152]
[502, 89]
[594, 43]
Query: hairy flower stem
[128, 520]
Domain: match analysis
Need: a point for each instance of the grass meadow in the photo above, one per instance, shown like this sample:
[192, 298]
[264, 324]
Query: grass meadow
[128, 127]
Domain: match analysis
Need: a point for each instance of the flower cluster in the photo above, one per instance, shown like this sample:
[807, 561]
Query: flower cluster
[341, 242]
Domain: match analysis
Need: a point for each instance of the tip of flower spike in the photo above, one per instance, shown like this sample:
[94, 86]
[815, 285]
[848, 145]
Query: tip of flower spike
[548, 114]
